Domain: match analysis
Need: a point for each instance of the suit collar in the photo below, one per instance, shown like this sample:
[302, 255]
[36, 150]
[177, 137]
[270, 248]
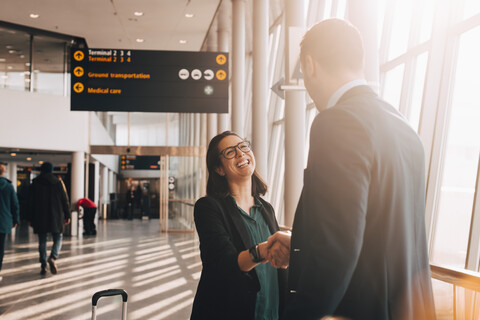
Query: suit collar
[344, 88]
[355, 91]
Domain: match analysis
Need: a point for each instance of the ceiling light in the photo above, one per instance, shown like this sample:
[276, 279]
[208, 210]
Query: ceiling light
[27, 64]
[22, 56]
[12, 51]
[34, 15]
[13, 154]
[3, 59]
[189, 15]
[29, 159]
[140, 40]
[27, 73]
[138, 13]
[9, 46]
[40, 162]
[9, 67]
[182, 41]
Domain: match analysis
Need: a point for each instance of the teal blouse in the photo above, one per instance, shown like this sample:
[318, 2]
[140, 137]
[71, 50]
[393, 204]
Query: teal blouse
[267, 298]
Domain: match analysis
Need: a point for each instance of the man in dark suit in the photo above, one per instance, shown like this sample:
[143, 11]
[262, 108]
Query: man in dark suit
[358, 245]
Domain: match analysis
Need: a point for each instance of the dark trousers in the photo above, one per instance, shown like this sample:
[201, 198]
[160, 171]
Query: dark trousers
[88, 220]
[2, 248]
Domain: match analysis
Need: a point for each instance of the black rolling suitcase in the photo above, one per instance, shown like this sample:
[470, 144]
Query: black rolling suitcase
[107, 293]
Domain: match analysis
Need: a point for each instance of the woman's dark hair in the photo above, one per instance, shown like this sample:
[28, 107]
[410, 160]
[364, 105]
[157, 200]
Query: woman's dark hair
[217, 185]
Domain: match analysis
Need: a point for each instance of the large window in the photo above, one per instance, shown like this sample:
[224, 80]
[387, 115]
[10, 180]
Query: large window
[460, 163]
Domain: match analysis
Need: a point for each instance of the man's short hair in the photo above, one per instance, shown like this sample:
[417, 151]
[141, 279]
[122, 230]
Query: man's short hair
[2, 169]
[46, 167]
[335, 44]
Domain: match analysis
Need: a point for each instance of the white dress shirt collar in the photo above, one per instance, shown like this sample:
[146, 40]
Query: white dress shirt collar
[341, 91]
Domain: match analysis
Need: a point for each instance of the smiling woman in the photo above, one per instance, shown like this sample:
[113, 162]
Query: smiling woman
[233, 224]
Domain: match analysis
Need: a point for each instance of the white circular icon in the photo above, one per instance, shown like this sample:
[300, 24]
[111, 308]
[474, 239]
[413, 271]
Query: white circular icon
[208, 90]
[183, 74]
[196, 74]
[208, 74]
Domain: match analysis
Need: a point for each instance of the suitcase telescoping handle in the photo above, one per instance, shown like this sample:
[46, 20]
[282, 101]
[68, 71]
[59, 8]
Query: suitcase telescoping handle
[107, 293]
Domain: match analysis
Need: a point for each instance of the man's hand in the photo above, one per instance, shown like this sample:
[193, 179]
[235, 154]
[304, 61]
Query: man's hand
[283, 237]
[279, 255]
[279, 249]
[67, 221]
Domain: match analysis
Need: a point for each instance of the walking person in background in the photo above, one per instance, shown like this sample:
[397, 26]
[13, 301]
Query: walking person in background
[89, 211]
[48, 213]
[9, 215]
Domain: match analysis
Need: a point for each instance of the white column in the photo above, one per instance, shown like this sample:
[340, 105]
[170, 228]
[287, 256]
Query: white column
[260, 86]
[111, 183]
[364, 15]
[238, 66]
[96, 183]
[12, 174]
[223, 119]
[78, 177]
[211, 117]
[104, 195]
[294, 117]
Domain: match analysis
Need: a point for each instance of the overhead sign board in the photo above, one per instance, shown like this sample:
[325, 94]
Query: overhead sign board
[149, 81]
[132, 162]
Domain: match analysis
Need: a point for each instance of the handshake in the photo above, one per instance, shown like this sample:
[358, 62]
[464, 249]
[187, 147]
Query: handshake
[276, 249]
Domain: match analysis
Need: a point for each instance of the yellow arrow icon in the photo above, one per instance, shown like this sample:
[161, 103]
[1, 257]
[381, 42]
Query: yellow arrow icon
[78, 87]
[78, 55]
[221, 75]
[78, 71]
[221, 59]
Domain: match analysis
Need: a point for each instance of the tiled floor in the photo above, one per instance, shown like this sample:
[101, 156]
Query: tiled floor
[159, 271]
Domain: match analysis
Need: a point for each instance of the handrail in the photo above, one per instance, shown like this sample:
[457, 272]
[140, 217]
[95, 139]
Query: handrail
[459, 277]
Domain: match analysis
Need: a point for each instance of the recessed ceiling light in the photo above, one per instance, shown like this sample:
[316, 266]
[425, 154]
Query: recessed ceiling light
[12, 51]
[182, 41]
[9, 46]
[27, 72]
[40, 162]
[27, 64]
[3, 59]
[29, 159]
[22, 56]
[138, 13]
[189, 15]
[34, 15]
[140, 40]
[9, 67]
[13, 154]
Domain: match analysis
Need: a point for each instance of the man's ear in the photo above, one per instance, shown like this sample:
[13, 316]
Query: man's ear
[309, 66]
[220, 171]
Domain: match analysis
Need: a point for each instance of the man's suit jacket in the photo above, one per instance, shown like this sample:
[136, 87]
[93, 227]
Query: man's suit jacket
[224, 291]
[359, 246]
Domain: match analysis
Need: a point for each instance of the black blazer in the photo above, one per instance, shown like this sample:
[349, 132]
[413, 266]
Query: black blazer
[359, 247]
[224, 291]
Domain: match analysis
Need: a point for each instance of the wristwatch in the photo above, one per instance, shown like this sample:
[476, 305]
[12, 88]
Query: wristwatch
[255, 254]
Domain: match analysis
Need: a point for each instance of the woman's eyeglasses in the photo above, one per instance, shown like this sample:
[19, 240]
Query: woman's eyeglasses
[231, 152]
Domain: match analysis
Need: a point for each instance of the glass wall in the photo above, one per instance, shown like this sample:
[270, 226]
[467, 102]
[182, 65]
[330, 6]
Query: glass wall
[14, 59]
[32, 61]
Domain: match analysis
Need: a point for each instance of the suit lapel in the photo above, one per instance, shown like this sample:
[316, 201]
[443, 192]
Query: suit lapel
[269, 217]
